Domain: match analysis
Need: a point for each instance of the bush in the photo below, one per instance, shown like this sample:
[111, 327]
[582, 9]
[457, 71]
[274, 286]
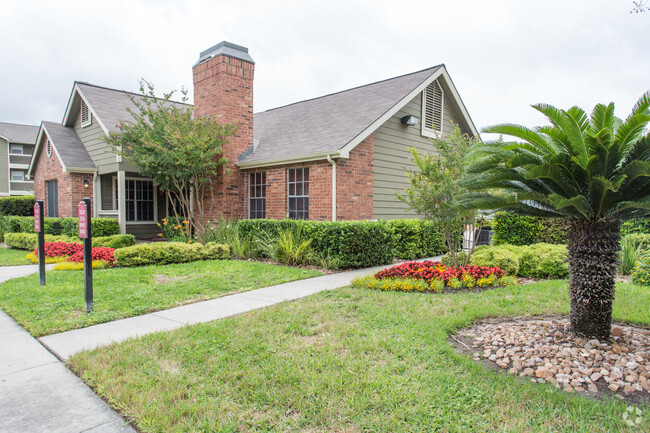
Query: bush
[354, 244]
[29, 241]
[526, 230]
[537, 261]
[636, 225]
[641, 273]
[163, 253]
[114, 241]
[289, 246]
[416, 238]
[59, 226]
[503, 258]
[17, 206]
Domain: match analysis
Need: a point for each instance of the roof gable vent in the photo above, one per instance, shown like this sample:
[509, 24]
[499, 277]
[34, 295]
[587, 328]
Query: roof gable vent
[86, 118]
[432, 106]
[48, 147]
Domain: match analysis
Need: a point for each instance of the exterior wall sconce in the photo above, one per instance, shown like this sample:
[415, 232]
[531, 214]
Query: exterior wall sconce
[86, 183]
[410, 120]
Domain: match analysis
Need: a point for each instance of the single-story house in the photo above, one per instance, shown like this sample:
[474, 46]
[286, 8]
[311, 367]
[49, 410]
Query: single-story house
[338, 157]
[16, 148]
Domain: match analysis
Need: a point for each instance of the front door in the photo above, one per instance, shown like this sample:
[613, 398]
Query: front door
[52, 199]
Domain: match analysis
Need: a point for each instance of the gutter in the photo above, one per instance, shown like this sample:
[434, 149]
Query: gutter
[331, 161]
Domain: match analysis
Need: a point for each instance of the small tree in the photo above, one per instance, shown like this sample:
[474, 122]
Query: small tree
[435, 189]
[181, 153]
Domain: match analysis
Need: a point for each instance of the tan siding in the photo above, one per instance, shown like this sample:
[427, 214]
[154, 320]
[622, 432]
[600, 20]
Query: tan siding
[392, 159]
[93, 138]
[106, 189]
[4, 167]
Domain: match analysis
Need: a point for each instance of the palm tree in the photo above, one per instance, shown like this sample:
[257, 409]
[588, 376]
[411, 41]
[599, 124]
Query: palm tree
[593, 170]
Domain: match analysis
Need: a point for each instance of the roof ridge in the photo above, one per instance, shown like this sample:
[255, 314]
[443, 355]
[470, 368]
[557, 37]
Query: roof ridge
[352, 88]
[19, 124]
[124, 91]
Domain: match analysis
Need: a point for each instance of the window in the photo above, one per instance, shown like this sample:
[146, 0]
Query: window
[139, 200]
[17, 176]
[16, 149]
[432, 104]
[48, 147]
[257, 196]
[85, 114]
[298, 194]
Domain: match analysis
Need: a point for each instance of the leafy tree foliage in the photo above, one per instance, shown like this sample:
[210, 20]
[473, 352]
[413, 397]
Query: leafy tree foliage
[181, 153]
[434, 188]
[593, 170]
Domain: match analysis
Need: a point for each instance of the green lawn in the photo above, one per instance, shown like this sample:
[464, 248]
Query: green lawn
[349, 360]
[126, 292]
[11, 257]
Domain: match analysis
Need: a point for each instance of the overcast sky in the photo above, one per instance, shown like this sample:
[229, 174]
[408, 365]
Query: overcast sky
[502, 55]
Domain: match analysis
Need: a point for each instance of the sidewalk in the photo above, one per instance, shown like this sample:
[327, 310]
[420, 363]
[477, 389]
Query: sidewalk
[39, 394]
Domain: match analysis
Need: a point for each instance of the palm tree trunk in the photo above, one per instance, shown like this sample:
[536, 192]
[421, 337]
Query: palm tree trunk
[593, 261]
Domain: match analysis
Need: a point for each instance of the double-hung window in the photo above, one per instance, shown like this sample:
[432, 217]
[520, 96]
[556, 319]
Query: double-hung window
[139, 200]
[298, 193]
[257, 195]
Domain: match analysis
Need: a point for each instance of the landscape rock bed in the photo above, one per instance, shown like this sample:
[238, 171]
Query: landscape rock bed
[543, 350]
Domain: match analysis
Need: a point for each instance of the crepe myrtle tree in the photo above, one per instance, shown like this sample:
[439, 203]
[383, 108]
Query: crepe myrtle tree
[180, 152]
[434, 189]
[593, 170]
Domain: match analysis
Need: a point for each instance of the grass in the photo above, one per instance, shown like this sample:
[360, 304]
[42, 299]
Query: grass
[350, 360]
[126, 292]
[11, 257]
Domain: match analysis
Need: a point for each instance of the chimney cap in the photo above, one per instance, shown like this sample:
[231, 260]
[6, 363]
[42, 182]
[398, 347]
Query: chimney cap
[225, 49]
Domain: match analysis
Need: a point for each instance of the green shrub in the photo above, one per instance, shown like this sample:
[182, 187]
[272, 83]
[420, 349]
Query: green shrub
[29, 241]
[636, 225]
[289, 246]
[17, 206]
[355, 244]
[526, 230]
[637, 240]
[163, 253]
[632, 249]
[461, 257]
[416, 238]
[114, 241]
[242, 246]
[499, 256]
[59, 226]
[641, 272]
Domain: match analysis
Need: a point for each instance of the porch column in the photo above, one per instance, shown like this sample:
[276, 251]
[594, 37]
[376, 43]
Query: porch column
[121, 200]
[96, 195]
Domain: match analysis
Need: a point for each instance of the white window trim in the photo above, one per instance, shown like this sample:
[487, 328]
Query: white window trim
[155, 200]
[17, 180]
[298, 196]
[249, 192]
[16, 146]
[89, 116]
[426, 131]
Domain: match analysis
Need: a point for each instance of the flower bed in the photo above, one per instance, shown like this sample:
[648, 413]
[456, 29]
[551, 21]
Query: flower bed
[58, 252]
[435, 277]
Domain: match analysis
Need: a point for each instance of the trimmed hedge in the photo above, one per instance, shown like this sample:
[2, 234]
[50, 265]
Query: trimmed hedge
[526, 230]
[355, 244]
[416, 239]
[59, 226]
[163, 253]
[539, 260]
[29, 241]
[17, 206]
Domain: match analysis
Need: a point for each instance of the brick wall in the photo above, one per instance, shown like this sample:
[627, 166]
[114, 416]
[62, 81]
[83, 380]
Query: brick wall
[354, 186]
[223, 89]
[70, 185]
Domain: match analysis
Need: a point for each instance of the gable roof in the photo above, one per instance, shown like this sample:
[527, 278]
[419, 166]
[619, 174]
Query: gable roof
[16, 133]
[108, 106]
[334, 124]
[68, 148]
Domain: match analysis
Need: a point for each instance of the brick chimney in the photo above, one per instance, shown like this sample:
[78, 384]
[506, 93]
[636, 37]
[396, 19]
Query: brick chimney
[223, 89]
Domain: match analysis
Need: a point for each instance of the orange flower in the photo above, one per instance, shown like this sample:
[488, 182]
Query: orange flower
[160, 234]
[185, 222]
[164, 222]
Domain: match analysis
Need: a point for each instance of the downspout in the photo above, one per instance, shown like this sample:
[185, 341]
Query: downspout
[331, 161]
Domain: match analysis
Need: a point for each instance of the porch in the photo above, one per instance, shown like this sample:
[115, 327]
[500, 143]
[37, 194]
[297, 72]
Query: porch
[135, 201]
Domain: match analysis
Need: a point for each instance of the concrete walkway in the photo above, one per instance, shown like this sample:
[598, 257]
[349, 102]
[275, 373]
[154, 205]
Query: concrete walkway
[39, 394]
